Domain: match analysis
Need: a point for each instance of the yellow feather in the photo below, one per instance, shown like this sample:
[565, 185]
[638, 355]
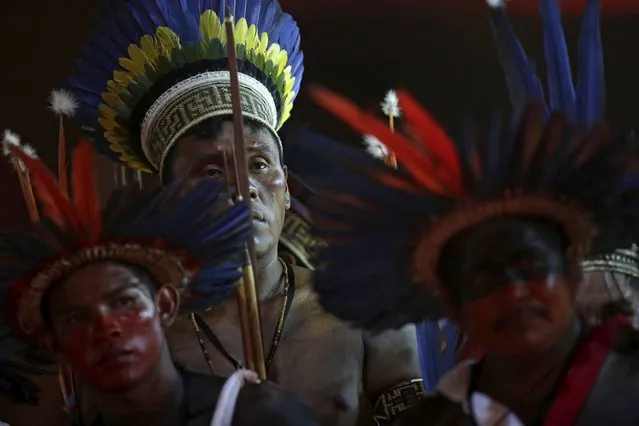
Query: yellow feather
[239, 31]
[122, 78]
[167, 40]
[134, 68]
[111, 99]
[261, 49]
[210, 25]
[137, 55]
[149, 47]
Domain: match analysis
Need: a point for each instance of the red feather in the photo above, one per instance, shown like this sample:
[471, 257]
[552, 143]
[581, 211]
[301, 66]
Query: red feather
[85, 192]
[56, 205]
[419, 164]
[432, 135]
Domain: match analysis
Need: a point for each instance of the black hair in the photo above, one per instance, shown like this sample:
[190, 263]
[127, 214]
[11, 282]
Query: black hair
[211, 128]
[266, 404]
[141, 273]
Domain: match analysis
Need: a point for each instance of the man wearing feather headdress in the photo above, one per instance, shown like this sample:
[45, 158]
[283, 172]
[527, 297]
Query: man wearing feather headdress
[612, 270]
[98, 288]
[491, 232]
[167, 110]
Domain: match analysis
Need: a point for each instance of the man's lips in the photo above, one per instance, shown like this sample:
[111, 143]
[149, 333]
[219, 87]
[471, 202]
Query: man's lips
[257, 216]
[114, 356]
[521, 318]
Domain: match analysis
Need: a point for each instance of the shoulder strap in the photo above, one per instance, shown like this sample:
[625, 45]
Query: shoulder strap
[580, 379]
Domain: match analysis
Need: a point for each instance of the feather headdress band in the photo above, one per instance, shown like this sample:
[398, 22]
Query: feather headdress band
[191, 237]
[153, 69]
[297, 235]
[388, 226]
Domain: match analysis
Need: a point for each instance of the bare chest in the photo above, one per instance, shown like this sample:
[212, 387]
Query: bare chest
[318, 358]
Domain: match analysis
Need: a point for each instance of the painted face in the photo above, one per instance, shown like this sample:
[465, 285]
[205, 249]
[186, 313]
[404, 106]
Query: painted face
[510, 285]
[107, 326]
[199, 156]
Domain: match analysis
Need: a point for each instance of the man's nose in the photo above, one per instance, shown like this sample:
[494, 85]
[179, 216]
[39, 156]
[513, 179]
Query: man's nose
[105, 325]
[253, 191]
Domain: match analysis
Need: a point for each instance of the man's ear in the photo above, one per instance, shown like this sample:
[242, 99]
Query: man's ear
[287, 194]
[167, 302]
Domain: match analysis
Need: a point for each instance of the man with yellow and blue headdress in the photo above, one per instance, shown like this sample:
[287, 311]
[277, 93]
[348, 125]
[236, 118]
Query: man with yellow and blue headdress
[153, 83]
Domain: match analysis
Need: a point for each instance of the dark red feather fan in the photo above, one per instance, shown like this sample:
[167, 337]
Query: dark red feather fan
[80, 214]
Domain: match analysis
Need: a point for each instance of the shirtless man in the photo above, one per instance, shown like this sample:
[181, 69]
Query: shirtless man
[170, 115]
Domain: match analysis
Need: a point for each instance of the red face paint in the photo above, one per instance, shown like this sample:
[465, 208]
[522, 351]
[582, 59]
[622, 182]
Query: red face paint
[107, 327]
[519, 318]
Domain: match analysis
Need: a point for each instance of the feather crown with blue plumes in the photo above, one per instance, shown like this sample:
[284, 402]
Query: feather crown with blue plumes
[377, 221]
[582, 102]
[152, 69]
[191, 236]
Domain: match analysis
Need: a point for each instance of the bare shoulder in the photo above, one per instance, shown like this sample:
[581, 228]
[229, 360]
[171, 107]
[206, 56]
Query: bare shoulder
[306, 307]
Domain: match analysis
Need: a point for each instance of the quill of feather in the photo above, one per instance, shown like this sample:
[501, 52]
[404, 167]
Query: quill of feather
[63, 104]
[11, 140]
[391, 108]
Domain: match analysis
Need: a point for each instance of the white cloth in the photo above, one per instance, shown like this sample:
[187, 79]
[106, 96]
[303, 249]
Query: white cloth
[455, 385]
[225, 407]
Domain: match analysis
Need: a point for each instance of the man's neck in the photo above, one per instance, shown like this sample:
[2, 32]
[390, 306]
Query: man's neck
[155, 401]
[268, 274]
[528, 381]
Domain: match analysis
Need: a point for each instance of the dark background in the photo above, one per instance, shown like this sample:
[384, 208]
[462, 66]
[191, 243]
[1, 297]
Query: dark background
[440, 49]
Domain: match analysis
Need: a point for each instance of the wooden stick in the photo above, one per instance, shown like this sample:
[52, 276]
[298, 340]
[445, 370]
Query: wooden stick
[27, 189]
[392, 160]
[248, 302]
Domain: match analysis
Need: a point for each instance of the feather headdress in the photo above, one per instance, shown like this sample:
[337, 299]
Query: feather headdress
[192, 237]
[154, 68]
[582, 102]
[378, 221]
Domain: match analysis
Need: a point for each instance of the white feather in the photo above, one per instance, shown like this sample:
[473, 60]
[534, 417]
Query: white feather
[375, 147]
[496, 3]
[62, 102]
[8, 139]
[390, 104]
[30, 150]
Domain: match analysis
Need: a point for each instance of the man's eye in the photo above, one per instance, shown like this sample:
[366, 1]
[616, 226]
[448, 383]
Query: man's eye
[259, 165]
[73, 319]
[124, 302]
[213, 171]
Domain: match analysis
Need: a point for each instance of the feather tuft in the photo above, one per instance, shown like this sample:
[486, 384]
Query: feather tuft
[375, 147]
[63, 103]
[9, 139]
[390, 104]
[30, 151]
[496, 3]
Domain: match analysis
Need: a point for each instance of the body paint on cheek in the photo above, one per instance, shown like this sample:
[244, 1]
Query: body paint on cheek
[115, 350]
[519, 316]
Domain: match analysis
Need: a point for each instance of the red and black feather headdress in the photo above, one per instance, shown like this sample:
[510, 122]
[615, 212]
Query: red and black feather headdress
[385, 228]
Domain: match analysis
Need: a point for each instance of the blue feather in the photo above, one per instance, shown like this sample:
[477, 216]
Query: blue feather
[590, 83]
[522, 80]
[561, 91]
